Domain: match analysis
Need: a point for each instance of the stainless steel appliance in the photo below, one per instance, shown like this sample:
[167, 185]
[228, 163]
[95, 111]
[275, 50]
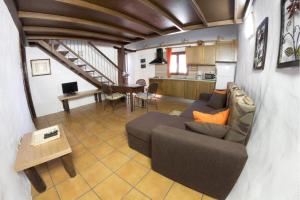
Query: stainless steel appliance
[209, 76]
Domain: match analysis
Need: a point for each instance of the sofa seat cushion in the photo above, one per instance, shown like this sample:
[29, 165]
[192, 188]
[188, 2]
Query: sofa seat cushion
[142, 126]
[198, 105]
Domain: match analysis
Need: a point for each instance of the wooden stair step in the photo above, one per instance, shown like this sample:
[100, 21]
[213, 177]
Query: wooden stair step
[56, 46]
[88, 71]
[81, 65]
[63, 52]
[97, 76]
[73, 59]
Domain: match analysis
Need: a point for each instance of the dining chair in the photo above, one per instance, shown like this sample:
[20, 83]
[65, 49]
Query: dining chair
[110, 96]
[141, 82]
[149, 96]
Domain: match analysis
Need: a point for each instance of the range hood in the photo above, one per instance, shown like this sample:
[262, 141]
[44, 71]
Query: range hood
[159, 57]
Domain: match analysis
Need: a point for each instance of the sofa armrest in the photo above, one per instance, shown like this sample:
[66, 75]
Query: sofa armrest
[204, 96]
[206, 164]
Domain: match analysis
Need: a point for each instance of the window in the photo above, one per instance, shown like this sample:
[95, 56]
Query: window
[178, 63]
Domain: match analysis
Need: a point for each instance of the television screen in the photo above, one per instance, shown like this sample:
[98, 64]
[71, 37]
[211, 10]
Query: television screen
[69, 88]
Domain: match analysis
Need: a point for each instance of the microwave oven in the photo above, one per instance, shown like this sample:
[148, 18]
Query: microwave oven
[209, 76]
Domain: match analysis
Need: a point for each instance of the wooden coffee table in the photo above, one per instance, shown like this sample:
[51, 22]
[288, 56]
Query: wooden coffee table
[29, 156]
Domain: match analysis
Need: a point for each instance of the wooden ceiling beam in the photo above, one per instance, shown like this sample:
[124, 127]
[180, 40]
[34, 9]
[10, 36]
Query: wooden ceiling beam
[235, 14]
[201, 26]
[60, 18]
[38, 29]
[53, 37]
[199, 12]
[164, 13]
[108, 11]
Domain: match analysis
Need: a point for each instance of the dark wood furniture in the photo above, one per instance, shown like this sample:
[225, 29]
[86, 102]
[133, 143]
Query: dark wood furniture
[65, 98]
[29, 156]
[129, 88]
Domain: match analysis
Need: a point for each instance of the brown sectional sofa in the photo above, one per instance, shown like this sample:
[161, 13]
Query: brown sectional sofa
[207, 164]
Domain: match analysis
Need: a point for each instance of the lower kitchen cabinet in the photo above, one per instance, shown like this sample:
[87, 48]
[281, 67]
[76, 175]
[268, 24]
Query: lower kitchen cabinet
[187, 89]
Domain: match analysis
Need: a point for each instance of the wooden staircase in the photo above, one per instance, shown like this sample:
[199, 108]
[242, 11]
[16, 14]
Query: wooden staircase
[79, 65]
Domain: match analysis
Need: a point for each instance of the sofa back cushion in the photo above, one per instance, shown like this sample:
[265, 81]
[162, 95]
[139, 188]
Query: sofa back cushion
[240, 120]
[217, 100]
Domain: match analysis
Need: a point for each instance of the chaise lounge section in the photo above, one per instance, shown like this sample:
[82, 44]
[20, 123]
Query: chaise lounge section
[207, 164]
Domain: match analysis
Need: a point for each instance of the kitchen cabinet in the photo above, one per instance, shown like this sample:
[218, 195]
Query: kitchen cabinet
[201, 55]
[188, 89]
[194, 55]
[226, 51]
[209, 55]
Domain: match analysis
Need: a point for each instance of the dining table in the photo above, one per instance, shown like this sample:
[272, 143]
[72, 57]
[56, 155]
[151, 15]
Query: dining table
[129, 89]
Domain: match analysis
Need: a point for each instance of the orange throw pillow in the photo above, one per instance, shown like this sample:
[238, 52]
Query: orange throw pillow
[218, 118]
[220, 91]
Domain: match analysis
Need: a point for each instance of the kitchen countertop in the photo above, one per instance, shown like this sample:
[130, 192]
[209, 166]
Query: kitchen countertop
[185, 79]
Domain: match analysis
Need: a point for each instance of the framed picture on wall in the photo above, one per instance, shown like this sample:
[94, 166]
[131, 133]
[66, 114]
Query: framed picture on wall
[261, 42]
[289, 49]
[143, 63]
[40, 67]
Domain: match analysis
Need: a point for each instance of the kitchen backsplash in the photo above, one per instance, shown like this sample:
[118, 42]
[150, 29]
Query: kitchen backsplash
[161, 71]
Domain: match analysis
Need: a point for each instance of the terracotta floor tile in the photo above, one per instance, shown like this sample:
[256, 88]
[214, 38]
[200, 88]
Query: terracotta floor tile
[91, 141]
[117, 141]
[101, 150]
[107, 134]
[127, 150]
[115, 160]
[46, 177]
[154, 185]
[57, 171]
[181, 192]
[112, 188]
[95, 174]
[34, 192]
[84, 161]
[78, 150]
[135, 195]
[89, 196]
[72, 188]
[132, 172]
[50, 194]
[206, 197]
[144, 160]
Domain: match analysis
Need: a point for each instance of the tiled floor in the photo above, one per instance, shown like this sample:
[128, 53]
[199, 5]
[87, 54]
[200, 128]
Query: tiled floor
[106, 167]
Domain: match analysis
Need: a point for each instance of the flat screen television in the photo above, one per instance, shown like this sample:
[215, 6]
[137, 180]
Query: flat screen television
[69, 88]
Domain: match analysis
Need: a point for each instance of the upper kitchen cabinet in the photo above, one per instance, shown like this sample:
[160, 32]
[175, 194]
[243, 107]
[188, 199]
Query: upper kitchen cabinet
[209, 55]
[226, 51]
[201, 55]
[194, 55]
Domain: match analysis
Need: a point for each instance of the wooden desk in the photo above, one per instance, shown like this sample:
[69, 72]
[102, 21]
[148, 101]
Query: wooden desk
[129, 88]
[65, 98]
[29, 156]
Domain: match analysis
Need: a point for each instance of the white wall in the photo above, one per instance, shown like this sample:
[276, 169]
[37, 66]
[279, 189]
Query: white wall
[46, 89]
[14, 114]
[225, 32]
[273, 167]
[134, 67]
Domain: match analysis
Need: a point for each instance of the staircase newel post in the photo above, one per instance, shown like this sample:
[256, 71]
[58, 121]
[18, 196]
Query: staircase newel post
[121, 64]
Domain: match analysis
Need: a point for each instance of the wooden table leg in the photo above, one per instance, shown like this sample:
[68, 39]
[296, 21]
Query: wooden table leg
[66, 105]
[68, 164]
[96, 97]
[35, 179]
[131, 102]
[100, 97]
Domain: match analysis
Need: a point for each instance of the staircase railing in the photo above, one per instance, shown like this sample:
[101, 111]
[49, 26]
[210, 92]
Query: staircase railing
[92, 56]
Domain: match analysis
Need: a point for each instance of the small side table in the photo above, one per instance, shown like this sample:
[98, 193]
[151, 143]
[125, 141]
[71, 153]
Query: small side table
[29, 156]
